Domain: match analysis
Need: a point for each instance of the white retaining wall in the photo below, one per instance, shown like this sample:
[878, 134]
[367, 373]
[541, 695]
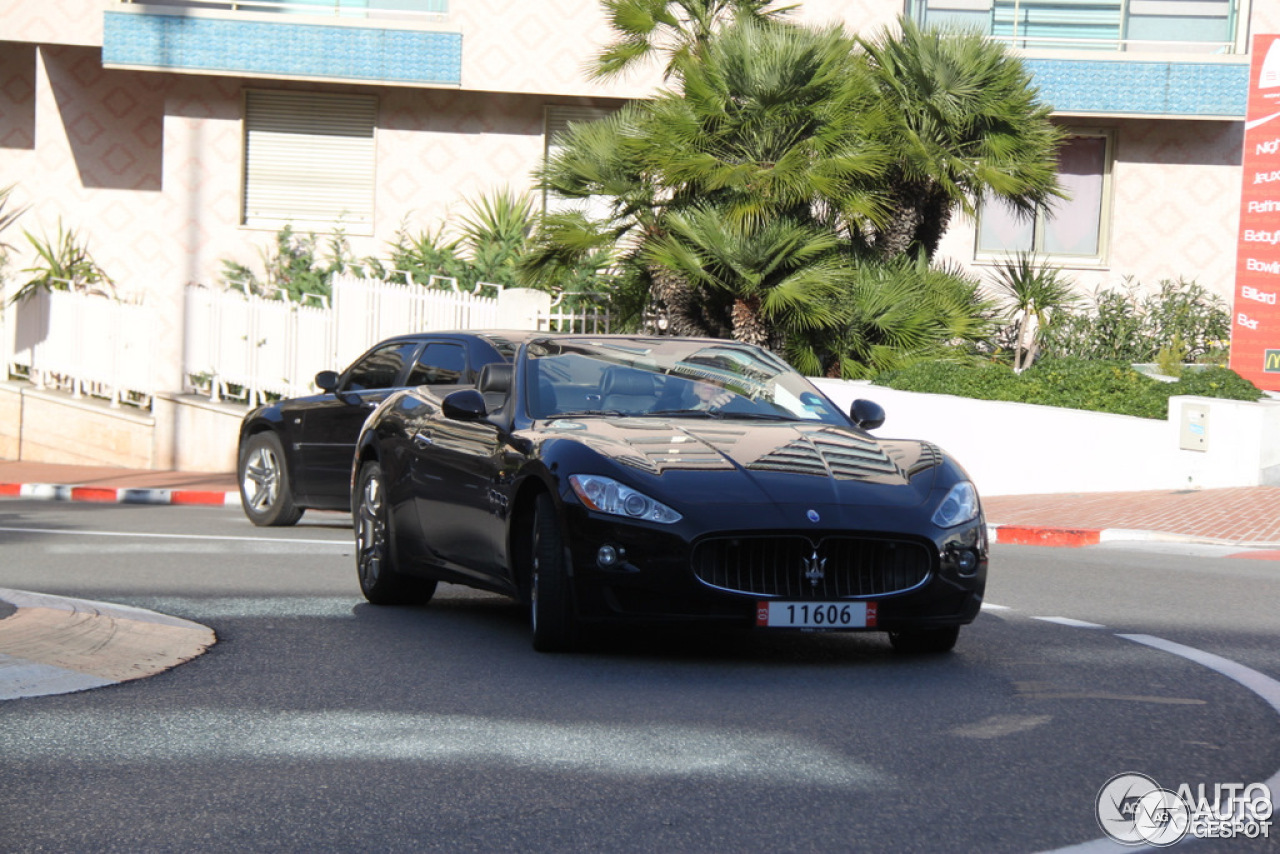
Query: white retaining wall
[1023, 449]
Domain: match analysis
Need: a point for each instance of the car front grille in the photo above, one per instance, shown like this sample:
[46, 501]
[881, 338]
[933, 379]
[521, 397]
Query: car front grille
[800, 568]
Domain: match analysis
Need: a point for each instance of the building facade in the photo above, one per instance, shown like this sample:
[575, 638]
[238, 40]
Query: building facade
[176, 134]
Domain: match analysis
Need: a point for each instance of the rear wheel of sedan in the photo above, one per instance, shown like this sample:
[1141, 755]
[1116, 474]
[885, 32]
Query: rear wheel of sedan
[925, 641]
[380, 581]
[555, 626]
[266, 492]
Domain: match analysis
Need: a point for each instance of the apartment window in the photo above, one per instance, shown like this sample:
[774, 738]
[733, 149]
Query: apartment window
[1198, 26]
[558, 120]
[1074, 228]
[309, 161]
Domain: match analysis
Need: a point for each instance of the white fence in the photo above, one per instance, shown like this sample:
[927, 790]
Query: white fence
[83, 344]
[245, 347]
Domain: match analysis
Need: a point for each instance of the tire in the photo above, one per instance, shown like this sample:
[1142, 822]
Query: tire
[925, 641]
[380, 580]
[555, 626]
[266, 490]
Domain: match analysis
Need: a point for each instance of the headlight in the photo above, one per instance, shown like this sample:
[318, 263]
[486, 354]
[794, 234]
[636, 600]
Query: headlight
[960, 505]
[608, 496]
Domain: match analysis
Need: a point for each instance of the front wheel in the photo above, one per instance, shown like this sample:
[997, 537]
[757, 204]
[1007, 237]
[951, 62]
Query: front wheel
[266, 490]
[380, 581]
[925, 641]
[555, 626]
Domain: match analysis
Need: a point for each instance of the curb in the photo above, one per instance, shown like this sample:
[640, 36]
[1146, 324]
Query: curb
[1034, 535]
[122, 495]
[59, 645]
[1019, 535]
[1042, 535]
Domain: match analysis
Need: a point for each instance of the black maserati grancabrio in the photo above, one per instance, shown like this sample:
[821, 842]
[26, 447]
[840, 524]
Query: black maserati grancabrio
[652, 480]
[296, 453]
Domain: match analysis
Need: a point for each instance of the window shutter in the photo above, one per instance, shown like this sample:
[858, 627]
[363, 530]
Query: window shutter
[309, 160]
[559, 119]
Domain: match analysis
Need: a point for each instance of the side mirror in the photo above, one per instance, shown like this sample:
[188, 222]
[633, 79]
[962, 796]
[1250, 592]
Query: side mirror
[867, 414]
[327, 380]
[465, 405]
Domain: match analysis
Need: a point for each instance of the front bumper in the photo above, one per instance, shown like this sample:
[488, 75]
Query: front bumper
[653, 579]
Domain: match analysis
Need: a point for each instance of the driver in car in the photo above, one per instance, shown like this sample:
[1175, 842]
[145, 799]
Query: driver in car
[710, 396]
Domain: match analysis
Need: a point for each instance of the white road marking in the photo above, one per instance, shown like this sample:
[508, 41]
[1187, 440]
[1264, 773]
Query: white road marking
[1068, 621]
[1259, 683]
[145, 535]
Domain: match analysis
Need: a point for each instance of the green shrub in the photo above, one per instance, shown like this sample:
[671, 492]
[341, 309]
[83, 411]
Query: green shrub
[1216, 382]
[1095, 385]
[1180, 317]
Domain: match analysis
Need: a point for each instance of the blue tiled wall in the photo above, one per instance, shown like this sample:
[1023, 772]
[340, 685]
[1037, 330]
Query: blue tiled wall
[1192, 89]
[292, 50]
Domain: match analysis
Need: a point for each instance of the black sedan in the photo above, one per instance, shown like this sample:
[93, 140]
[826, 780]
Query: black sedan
[611, 479]
[296, 453]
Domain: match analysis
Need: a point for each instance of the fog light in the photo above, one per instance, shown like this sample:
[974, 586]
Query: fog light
[966, 561]
[607, 557]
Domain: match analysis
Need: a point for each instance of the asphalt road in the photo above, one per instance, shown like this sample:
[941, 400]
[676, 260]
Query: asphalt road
[319, 723]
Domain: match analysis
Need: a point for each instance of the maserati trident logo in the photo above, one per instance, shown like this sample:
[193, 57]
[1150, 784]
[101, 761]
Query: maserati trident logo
[815, 569]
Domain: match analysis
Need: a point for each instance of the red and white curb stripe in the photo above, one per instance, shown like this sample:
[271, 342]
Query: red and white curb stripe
[122, 495]
[57, 645]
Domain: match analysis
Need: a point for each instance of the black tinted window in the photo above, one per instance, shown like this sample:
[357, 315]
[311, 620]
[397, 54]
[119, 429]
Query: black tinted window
[380, 368]
[439, 364]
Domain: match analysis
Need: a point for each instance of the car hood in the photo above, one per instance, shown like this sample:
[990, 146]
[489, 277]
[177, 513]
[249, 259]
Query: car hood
[744, 462]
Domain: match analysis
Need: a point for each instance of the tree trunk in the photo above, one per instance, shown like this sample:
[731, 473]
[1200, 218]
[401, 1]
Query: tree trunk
[922, 213]
[677, 298]
[935, 217]
[748, 326]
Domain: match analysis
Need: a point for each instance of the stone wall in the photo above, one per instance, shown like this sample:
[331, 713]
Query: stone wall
[184, 433]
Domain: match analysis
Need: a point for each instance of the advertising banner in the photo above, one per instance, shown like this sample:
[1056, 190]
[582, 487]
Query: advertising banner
[1255, 322]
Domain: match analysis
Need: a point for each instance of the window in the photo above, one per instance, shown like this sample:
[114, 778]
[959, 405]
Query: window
[439, 364]
[1072, 228]
[1197, 26]
[379, 369]
[309, 161]
[558, 120]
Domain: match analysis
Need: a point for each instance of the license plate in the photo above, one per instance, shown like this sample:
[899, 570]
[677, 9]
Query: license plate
[816, 615]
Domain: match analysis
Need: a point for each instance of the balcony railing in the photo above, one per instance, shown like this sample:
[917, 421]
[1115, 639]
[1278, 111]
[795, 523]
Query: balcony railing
[1165, 26]
[427, 10]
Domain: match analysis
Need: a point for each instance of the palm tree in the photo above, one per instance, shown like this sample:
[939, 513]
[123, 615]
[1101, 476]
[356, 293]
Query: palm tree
[676, 28]
[967, 123]
[893, 313]
[1033, 294]
[495, 232]
[733, 192]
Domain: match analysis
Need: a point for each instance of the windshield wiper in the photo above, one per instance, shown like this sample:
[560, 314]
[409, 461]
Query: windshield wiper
[685, 413]
[580, 413]
[759, 416]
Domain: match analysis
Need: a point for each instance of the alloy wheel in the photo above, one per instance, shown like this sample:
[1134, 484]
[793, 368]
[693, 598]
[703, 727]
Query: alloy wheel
[371, 531]
[261, 484]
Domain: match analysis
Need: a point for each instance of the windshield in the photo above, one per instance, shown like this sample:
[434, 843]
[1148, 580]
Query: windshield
[668, 377]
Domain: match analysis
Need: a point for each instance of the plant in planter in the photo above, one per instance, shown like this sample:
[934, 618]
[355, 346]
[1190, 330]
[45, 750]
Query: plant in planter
[65, 264]
[1035, 296]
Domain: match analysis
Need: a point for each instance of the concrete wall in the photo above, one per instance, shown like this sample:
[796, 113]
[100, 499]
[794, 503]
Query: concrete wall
[1022, 449]
[185, 433]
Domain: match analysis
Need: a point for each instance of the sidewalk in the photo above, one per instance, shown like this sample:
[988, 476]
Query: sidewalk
[1245, 516]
